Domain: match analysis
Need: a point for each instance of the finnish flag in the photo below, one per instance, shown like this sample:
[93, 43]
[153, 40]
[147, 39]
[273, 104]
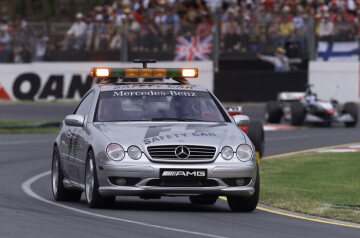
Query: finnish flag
[338, 51]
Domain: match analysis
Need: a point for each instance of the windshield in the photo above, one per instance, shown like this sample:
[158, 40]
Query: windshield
[157, 105]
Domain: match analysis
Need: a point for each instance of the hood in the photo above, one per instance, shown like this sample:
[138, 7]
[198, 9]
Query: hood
[145, 134]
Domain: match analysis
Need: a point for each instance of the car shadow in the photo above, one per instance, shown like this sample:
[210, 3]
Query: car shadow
[135, 204]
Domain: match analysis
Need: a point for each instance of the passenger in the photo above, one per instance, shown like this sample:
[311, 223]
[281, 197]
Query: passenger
[184, 108]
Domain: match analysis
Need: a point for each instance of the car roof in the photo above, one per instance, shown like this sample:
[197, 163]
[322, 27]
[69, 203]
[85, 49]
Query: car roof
[158, 86]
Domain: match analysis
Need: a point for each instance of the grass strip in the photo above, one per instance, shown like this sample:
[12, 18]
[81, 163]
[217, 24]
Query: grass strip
[30, 131]
[9, 126]
[322, 184]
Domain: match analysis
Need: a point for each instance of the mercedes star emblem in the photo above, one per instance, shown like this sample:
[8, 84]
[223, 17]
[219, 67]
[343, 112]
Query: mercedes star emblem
[182, 152]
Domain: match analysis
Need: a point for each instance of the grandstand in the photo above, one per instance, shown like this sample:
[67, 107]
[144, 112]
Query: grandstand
[86, 30]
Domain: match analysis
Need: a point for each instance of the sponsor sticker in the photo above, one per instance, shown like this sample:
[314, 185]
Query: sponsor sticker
[132, 93]
[183, 173]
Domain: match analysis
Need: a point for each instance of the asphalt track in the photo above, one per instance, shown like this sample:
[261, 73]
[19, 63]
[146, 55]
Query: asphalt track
[25, 156]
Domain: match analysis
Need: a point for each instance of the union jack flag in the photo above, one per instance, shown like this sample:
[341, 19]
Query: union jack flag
[193, 48]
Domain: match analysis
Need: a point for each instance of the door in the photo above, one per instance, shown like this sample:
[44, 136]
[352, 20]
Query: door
[64, 149]
[78, 142]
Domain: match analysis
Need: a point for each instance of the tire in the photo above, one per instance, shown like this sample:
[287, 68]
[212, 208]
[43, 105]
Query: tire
[256, 135]
[352, 109]
[246, 204]
[203, 200]
[59, 192]
[93, 197]
[273, 112]
[297, 114]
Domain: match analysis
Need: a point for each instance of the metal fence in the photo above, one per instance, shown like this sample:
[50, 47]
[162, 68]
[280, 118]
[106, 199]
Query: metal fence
[233, 37]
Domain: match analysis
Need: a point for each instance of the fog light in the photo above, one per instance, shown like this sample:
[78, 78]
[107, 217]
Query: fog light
[240, 181]
[120, 181]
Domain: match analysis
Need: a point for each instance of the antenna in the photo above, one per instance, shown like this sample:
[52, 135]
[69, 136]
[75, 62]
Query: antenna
[144, 61]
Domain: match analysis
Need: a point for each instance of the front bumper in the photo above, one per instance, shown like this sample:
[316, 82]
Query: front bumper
[147, 174]
[329, 118]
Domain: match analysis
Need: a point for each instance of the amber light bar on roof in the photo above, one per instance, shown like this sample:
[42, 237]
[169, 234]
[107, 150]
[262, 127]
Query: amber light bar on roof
[144, 72]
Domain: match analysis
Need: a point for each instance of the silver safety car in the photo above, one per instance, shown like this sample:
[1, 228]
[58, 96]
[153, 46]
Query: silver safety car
[152, 140]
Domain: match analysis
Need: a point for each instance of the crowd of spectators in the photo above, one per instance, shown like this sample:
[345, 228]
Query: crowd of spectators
[144, 25]
[15, 41]
[153, 25]
[269, 24]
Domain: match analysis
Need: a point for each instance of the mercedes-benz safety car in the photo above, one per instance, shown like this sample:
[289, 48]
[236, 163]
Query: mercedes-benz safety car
[152, 140]
[255, 130]
[305, 107]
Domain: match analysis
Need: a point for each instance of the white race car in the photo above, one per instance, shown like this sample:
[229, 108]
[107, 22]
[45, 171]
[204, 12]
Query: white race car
[301, 107]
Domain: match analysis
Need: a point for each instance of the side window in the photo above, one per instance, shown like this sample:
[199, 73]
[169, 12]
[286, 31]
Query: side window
[85, 105]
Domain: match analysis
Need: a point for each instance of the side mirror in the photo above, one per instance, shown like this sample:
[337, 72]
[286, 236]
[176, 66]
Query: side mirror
[74, 120]
[241, 120]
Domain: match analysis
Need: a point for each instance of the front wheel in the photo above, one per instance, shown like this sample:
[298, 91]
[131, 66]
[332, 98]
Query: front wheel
[297, 113]
[93, 197]
[246, 204]
[273, 112]
[203, 200]
[352, 109]
[256, 135]
[60, 193]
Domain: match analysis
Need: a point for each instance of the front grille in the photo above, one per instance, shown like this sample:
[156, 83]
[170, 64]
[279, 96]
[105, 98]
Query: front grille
[167, 152]
[182, 183]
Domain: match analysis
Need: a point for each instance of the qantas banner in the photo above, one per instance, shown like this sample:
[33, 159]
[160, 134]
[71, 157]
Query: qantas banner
[70, 81]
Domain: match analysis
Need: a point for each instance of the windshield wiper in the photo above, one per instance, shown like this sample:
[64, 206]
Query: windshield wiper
[190, 119]
[166, 119]
[173, 119]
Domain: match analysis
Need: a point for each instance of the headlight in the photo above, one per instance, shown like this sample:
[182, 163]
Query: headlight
[115, 152]
[227, 153]
[244, 152]
[134, 152]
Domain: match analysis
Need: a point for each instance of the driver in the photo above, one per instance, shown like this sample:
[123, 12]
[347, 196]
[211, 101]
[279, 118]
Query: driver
[110, 110]
[309, 95]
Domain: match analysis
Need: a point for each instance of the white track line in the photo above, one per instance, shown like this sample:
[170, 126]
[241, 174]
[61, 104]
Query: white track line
[26, 187]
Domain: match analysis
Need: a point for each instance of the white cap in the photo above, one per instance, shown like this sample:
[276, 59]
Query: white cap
[79, 15]
[286, 8]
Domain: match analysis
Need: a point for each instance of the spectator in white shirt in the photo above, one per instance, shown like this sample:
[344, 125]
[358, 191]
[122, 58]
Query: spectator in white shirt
[326, 29]
[3, 25]
[4, 44]
[41, 46]
[4, 38]
[89, 32]
[279, 60]
[299, 30]
[351, 6]
[76, 33]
